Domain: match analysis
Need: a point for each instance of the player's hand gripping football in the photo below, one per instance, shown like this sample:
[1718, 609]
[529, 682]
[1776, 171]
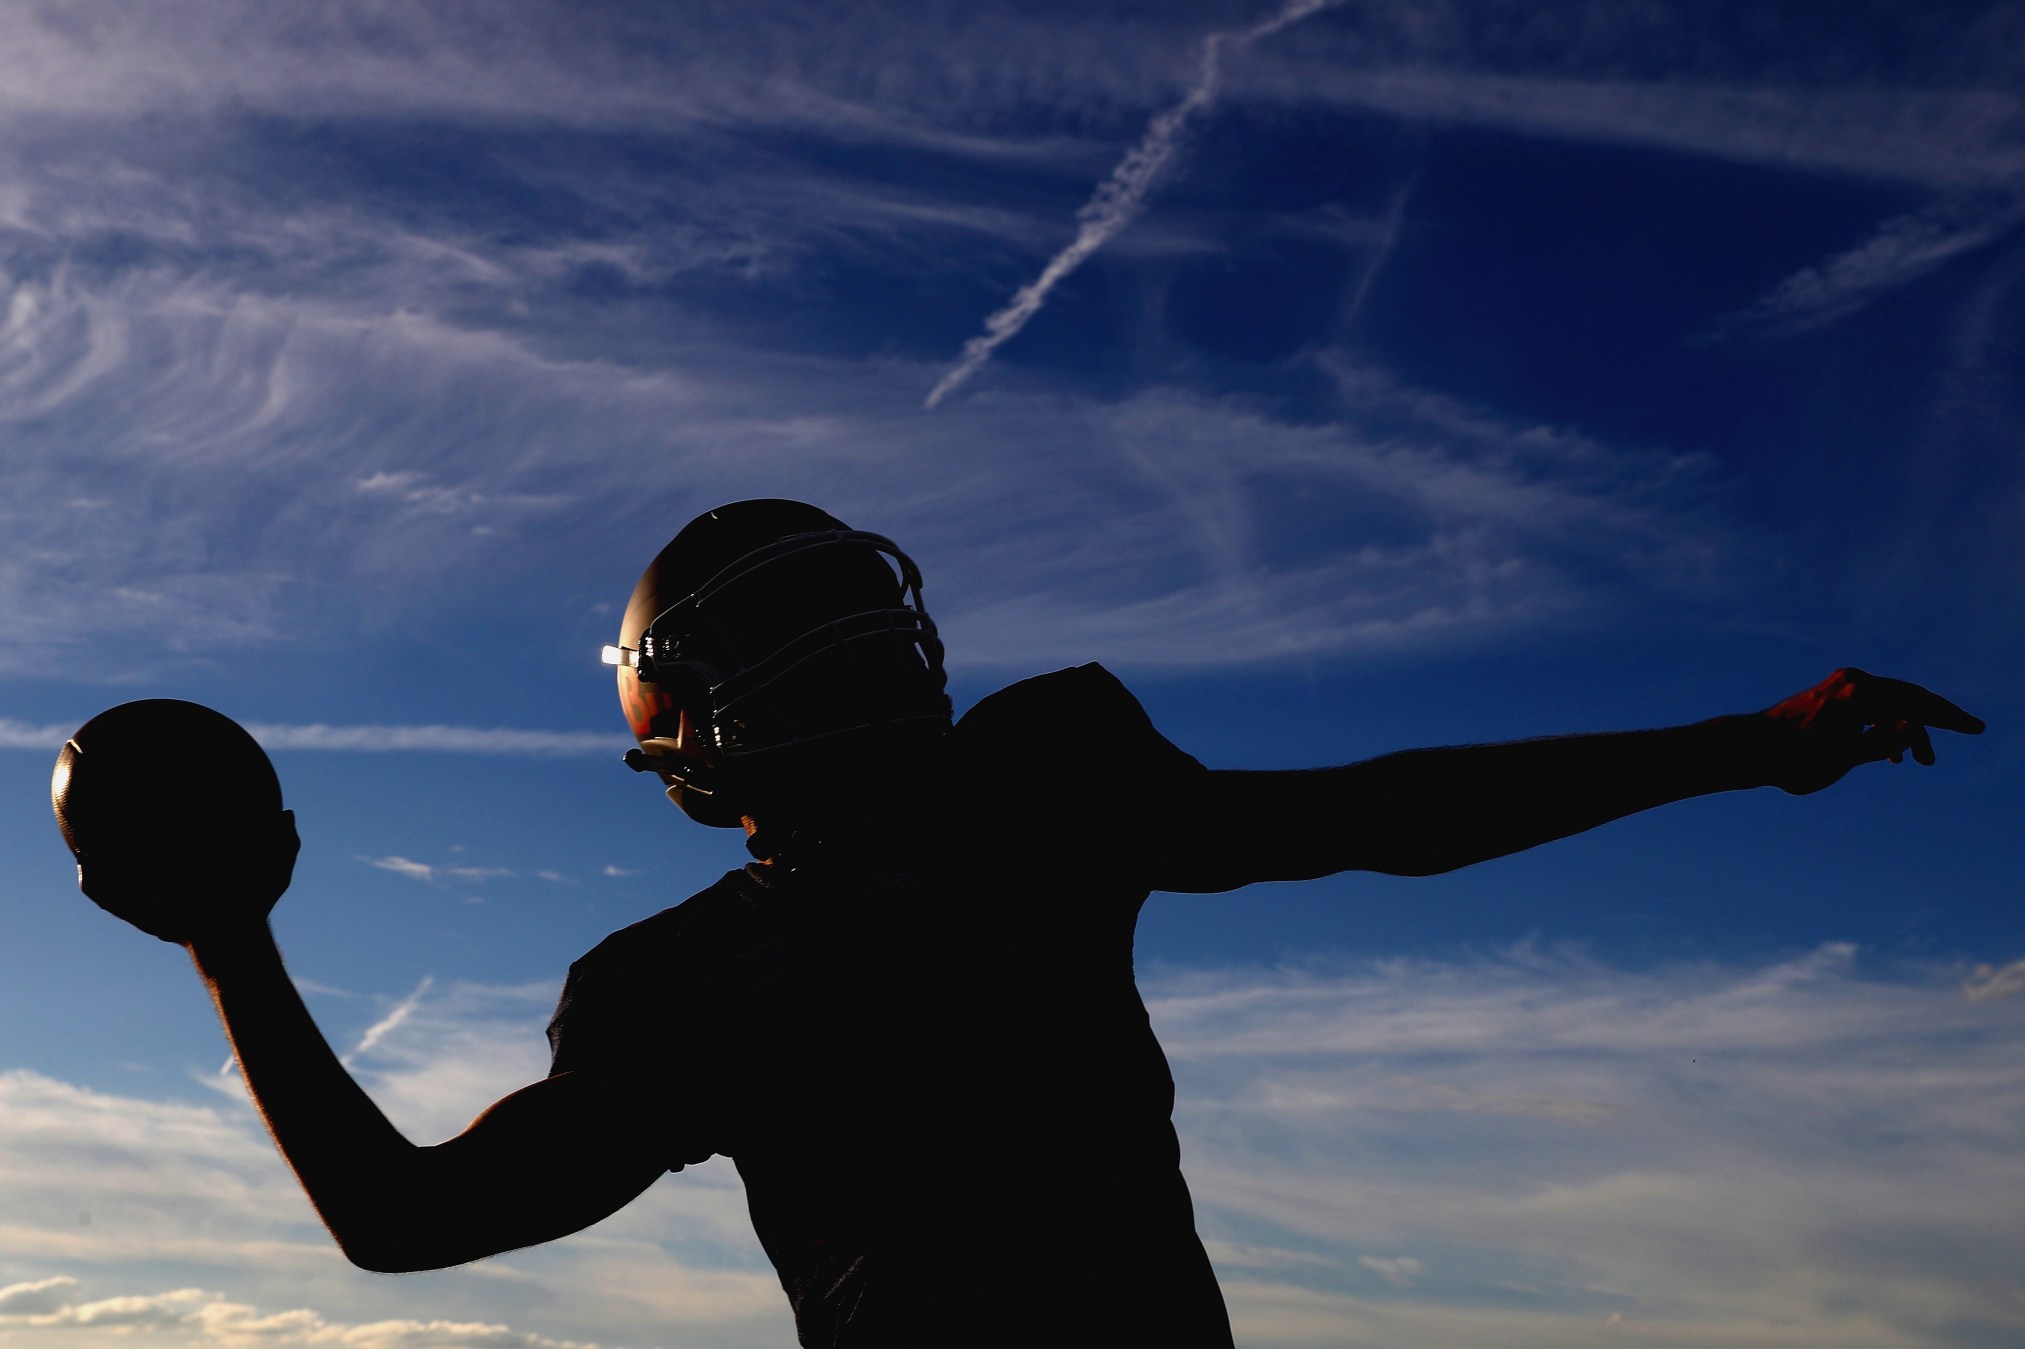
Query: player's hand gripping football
[188, 889]
[174, 816]
[1853, 718]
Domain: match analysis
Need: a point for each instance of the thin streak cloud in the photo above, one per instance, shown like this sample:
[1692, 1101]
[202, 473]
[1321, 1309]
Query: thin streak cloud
[195, 1317]
[1118, 200]
[1901, 251]
[391, 1022]
[434, 739]
[402, 866]
[437, 739]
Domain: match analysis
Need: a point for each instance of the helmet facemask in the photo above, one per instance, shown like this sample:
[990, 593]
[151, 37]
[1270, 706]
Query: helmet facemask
[801, 655]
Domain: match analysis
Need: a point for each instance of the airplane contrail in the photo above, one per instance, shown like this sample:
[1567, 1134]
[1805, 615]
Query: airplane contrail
[1118, 199]
[380, 1029]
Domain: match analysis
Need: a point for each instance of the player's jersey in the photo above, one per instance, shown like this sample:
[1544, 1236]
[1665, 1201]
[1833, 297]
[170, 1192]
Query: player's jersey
[939, 1084]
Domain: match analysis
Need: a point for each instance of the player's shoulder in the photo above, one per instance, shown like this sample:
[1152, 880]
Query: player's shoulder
[1081, 692]
[724, 917]
[1074, 729]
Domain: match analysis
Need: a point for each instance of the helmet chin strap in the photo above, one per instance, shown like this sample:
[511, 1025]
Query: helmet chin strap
[697, 787]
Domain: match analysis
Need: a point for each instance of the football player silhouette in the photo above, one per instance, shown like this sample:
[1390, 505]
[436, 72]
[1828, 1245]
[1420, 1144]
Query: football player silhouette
[911, 1021]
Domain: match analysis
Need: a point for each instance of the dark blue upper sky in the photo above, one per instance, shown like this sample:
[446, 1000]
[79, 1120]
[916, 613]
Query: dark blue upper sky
[1457, 374]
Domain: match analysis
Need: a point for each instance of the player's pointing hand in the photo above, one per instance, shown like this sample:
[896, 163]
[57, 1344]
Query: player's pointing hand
[1853, 718]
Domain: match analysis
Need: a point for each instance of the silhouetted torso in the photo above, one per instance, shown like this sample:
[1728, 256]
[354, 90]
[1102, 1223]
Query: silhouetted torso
[936, 1076]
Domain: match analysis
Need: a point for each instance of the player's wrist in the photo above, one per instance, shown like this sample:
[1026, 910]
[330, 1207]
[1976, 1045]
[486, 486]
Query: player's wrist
[1744, 751]
[232, 944]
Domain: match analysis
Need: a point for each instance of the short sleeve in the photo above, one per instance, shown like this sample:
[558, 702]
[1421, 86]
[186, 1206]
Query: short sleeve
[640, 1004]
[594, 1024]
[1072, 757]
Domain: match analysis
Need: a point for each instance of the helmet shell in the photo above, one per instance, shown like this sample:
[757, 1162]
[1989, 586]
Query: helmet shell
[764, 627]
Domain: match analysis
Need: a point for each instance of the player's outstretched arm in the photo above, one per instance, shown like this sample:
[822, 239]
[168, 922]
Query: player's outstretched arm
[546, 1161]
[1426, 811]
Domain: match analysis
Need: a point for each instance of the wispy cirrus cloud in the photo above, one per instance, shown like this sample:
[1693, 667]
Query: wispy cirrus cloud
[281, 409]
[63, 1314]
[1901, 251]
[113, 1198]
[370, 740]
[1704, 1155]
[1995, 981]
[1454, 523]
[1516, 1150]
[1401, 1271]
[431, 872]
[402, 866]
[1148, 511]
[434, 739]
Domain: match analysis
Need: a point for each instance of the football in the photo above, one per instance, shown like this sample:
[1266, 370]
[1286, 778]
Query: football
[152, 796]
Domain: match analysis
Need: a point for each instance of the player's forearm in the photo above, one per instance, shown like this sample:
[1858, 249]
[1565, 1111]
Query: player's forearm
[1425, 811]
[356, 1167]
[1435, 810]
[541, 1163]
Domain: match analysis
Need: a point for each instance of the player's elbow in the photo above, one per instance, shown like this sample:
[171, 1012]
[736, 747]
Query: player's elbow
[405, 1239]
[379, 1251]
[367, 1253]
[388, 1254]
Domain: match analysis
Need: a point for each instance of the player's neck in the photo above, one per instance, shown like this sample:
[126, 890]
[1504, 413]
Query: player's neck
[871, 821]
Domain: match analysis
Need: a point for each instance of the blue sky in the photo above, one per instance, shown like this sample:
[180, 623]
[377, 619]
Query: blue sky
[1387, 374]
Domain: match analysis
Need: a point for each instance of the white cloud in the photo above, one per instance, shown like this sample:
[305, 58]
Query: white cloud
[435, 740]
[302, 422]
[953, 75]
[387, 1024]
[1401, 1271]
[1943, 138]
[429, 873]
[1449, 523]
[1995, 981]
[1901, 251]
[104, 1193]
[37, 1298]
[370, 739]
[1718, 1155]
[414, 491]
[95, 1177]
[402, 866]
[1505, 1151]
[295, 416]
[44, 739]
[782, 66]
[193, 1317]
[1140, 550]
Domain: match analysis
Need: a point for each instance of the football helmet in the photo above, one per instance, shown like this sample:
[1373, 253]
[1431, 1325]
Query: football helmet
[769, 636]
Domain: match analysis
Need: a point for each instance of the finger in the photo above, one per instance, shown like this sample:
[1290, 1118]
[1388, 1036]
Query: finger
[1875, 744]
[1892, 742]
[1892, 699]
[1944, 714]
